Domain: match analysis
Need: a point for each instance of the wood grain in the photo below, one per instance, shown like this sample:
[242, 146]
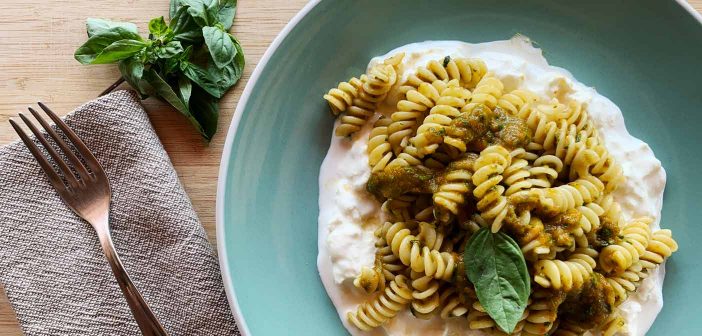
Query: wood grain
[38, 38]
[36, 63]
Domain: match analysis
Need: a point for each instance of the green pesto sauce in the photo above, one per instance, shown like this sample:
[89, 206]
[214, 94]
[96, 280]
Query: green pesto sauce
[555, 231]
[561, 227]
[394, 182]
[590, 306]
[397, 181]
[483, 127]
[607, 234]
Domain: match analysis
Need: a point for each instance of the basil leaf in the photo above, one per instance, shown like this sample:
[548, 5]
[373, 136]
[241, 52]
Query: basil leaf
[226, 13]
[118, 51]
[205, 109]
[226, 77]
[173, 7]
[95, 45]
[203, 79]
[185, 88]
[239, 63]
[97, 26]
[496, 266]
[169, 50]
[203, 11]
[158, 26]
[159, 87]
[220, 45]
[177, 62]
[184, 27]
[216, 81]
[132, 70]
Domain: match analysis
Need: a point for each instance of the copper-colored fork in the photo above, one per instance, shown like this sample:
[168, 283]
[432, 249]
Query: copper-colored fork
[86, 190]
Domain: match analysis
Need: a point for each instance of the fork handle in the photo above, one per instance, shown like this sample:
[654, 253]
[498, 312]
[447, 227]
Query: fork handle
[144, 316]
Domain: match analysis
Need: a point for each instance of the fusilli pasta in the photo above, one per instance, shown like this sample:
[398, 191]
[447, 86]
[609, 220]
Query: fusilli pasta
[458, 154]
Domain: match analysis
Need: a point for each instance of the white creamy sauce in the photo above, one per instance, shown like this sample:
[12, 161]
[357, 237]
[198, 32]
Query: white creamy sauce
[349, 215]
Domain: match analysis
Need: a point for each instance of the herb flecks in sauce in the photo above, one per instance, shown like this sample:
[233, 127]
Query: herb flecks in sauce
[607, 234]
[590, 306]
[562, 226]
[482, 127]
[396, 181]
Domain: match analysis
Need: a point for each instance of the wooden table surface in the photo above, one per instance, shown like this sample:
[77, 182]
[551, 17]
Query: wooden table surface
[37, 40]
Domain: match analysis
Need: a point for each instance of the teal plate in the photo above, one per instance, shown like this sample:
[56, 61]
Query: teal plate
[644, 55]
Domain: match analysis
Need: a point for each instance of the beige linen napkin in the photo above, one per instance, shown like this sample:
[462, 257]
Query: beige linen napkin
[51, 265]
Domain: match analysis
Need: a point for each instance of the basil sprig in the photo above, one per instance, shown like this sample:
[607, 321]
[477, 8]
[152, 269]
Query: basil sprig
[496, 267]
[189, 62]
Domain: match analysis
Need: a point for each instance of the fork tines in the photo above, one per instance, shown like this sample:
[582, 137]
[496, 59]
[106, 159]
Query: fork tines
[74, 177]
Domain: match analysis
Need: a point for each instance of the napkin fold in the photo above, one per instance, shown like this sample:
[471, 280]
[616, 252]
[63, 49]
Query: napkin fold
[51, 265]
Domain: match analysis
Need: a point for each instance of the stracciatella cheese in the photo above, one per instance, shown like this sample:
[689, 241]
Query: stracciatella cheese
[349, 215]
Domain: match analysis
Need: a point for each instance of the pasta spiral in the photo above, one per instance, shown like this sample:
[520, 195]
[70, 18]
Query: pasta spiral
[543, 312]
[617, 258]
[553, 136]
[660, 247]
[478, 318]
[614, 324]
[514, 101]
[421, 259]
[380, 79]
[626, 282]
[342, 96]
[607, 169]
[554, 110]
[354, 117]
[486, 92]
[431, 133]
[612, 209]
[408, 157]
[451, 303]
[430, 236]
[371, 279]
[488, 169]
[443, 156]
[452, 192]
[516, 175]
[545, 170]
[391, 264]
[569, 196]
[411, 112]
[422, 98]
[590, 219]
[375, 87]
[471, 71]
[566, 275]
[379, 149]
[579, 117]
[398, 209]
[372, 314]
[569, 329]
[532, 245]
[466, 70]
[425, 295]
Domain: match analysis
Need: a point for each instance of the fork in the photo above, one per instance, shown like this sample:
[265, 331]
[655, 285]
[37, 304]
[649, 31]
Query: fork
[86, 190]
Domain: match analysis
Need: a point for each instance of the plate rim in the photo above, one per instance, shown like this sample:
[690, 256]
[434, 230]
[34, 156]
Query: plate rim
[229, 140]
[226, 158]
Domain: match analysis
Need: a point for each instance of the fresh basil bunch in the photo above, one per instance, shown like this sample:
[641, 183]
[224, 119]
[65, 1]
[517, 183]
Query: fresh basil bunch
[189, 62]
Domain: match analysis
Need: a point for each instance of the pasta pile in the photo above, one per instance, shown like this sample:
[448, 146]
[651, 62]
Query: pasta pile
[459, 154]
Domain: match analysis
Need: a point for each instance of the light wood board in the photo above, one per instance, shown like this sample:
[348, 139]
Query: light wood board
[37, 40]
